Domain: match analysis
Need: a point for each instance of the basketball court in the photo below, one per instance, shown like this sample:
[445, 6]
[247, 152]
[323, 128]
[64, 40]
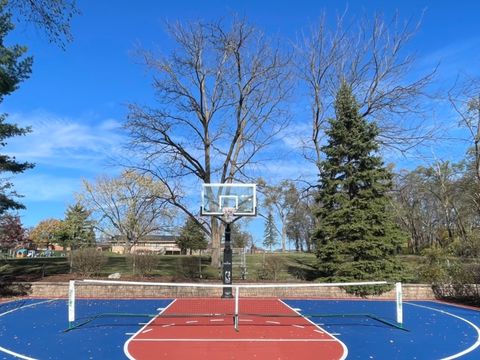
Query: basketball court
[35, 329]
[234, 321]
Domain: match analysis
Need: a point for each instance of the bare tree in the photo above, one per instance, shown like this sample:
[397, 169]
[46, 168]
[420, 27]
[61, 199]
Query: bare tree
[220, 103]
[371, 56]
[51, 16]
[283, 199]
[130, 206]
[432, 206]
[465, 99]
[416, 210]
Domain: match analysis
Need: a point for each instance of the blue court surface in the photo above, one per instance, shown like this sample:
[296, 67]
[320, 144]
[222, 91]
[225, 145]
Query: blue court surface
[35, 328]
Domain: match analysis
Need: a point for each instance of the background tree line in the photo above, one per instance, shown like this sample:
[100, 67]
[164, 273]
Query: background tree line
[223, 97]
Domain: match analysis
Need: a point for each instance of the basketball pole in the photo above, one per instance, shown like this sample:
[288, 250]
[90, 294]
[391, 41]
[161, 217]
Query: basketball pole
[227, 264]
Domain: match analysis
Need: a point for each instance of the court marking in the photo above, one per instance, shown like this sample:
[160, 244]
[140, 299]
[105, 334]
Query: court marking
[466, 319]
[13, 353]
[297, 311]
[326, 339]
[125, 345]
[464, 352]
[234, 340]
[27, 306]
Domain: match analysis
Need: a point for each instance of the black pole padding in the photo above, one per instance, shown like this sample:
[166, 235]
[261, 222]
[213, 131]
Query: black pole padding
[227, 264]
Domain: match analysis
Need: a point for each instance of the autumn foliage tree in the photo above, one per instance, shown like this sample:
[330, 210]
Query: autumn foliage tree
[12, 232]
[46, 232]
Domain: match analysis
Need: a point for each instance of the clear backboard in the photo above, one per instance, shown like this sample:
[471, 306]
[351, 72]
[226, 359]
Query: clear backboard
[222, 199]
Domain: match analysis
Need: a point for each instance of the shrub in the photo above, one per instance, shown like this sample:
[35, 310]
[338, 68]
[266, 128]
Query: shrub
[143, 263]
[187, 267]
[271, 268]
[453, 279]
[87, 261]
[438, 266]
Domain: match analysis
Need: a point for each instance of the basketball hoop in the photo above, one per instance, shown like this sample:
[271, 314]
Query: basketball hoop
[228, 214]
[228, 203]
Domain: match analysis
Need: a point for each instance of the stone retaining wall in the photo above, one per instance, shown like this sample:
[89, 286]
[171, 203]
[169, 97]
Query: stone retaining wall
[60, 289]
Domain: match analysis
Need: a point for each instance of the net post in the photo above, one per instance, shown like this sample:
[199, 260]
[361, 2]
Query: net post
[71, 303]
[235, 316]
[399, 302]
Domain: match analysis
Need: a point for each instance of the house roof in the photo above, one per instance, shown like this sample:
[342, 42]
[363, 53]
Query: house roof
[150, 239]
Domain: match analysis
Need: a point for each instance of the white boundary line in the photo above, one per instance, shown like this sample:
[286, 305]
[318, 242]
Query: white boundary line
[235, 340]
[466, 351]
[27, 306]
[345, 349]
[10, 352]
[125, 345]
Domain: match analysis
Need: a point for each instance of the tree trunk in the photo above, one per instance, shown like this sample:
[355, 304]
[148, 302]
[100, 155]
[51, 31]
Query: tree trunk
[216, 242]
[284, 236]
[71, 259]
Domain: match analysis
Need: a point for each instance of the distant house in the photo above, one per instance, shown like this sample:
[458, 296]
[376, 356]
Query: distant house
[256, 250]
[162, 244]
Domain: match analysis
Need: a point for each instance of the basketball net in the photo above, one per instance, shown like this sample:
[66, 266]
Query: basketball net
[228, 214]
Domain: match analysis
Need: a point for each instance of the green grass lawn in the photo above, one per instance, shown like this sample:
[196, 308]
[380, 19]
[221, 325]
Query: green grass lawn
[271, 267]
[32, 268]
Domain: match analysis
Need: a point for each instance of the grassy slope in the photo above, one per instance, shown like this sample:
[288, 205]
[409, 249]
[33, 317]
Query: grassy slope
[293, 267]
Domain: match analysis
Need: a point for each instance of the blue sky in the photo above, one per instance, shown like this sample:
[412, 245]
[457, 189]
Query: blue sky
[76, 99]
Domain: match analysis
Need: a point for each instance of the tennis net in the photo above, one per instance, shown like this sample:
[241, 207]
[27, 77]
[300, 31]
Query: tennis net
[245, 302]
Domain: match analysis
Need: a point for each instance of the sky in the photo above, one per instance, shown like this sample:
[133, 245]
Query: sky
[75, 100]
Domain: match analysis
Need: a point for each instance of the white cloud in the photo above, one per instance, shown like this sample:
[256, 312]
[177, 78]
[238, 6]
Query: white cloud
[64, 142]
[453, 58]
[64, 150]
[296, 136]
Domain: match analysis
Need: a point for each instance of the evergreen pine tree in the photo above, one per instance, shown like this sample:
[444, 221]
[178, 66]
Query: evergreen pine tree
[77, 228]
[270, 233]
[192, 237]
[13, 69]
[356, 236]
